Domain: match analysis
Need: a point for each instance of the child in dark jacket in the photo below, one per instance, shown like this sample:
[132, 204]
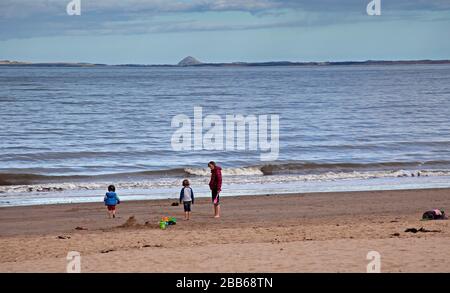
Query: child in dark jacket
[111, 200]
[187, 197]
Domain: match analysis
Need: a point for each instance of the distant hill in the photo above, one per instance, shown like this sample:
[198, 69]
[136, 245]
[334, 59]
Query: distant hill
[189, 61]
[47, 64]
[7, 62]
[289, 63]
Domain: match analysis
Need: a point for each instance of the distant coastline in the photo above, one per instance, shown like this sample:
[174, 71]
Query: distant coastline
[192, 62]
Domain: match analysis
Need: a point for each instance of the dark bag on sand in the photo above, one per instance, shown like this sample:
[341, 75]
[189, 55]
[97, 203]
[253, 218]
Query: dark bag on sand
[434, 215]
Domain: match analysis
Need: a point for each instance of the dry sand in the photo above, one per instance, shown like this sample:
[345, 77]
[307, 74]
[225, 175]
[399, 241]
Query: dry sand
[323, 232]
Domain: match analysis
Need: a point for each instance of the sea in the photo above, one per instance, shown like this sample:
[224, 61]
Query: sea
[66, 133]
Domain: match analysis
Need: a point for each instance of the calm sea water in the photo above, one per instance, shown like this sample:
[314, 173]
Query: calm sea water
[75, 129]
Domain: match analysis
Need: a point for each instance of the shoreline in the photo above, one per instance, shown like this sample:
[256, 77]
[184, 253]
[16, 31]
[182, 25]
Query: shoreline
[311, 232]
[137, 195]
[136, 191]
[174, 199]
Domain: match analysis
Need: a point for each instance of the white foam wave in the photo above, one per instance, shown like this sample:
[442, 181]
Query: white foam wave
[246, 171]
[202, 180]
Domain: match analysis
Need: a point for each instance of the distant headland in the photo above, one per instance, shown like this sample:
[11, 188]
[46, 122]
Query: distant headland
[193, 62]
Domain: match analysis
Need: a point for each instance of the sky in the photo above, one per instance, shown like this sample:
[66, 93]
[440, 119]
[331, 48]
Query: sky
[166, 31]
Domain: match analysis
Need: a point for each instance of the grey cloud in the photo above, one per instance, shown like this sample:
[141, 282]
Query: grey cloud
[21, 8]
[36, 18]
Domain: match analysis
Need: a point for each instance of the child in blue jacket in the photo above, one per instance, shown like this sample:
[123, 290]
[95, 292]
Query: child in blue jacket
[111, 200]
[187, 197]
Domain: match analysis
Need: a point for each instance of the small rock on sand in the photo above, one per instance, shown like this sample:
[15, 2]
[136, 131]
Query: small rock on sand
[423, 230]
[148, 245]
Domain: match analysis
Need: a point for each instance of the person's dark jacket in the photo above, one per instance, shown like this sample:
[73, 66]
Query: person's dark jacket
[216, 179]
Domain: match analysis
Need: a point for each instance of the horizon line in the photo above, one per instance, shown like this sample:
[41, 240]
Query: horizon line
[4, 62]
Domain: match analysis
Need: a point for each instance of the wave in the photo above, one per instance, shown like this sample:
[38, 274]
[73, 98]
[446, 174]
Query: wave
[304, 168]
[244, 171]
[172, 182]
[308, 167]
[17, 178]
[30, 178]
[78, 155]
[291, 168]
[20, 179]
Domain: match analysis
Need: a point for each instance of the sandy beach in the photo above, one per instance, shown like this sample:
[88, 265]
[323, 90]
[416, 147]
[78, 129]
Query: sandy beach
[322, 232]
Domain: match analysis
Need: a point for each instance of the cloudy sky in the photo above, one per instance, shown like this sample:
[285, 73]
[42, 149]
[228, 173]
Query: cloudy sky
[165, 31]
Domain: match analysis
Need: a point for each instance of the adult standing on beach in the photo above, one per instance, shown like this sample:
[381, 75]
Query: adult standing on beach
[215, 184]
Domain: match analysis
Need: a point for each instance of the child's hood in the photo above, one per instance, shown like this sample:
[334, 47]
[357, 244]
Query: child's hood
[111, 194]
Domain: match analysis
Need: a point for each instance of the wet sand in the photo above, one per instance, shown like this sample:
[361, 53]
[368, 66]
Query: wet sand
[322, 232]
